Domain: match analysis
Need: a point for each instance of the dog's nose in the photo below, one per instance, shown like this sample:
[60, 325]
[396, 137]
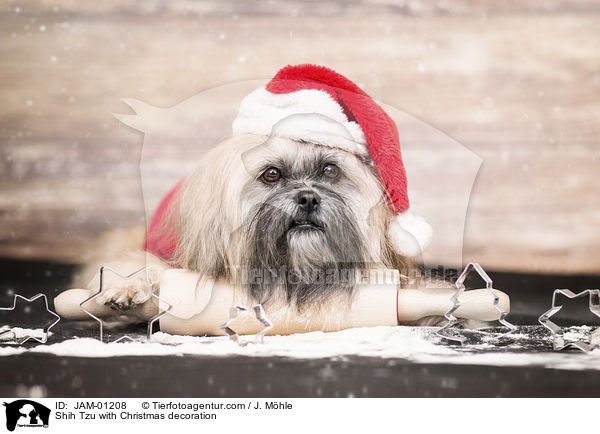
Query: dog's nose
[308, 200]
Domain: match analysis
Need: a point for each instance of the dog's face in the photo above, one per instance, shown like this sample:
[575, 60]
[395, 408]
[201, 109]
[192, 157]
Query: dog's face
[289, 219]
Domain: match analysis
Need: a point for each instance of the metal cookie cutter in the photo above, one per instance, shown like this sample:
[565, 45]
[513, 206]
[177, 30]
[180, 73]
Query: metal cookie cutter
[150, 294]
[161, 312]
[445, 331]
[10, 337]
[261, 317]
[558, 338]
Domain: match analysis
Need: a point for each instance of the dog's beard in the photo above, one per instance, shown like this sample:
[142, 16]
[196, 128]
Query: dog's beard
[306, 256]
[235, 224]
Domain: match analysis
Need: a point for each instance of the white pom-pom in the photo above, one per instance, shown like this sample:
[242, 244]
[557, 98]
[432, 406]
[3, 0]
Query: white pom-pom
[409, 234]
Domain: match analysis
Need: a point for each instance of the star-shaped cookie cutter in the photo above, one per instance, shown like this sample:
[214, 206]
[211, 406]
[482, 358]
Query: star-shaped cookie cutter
[259, 313]
[13, 340]
[159, 315]
[150, 294]
[460, 288]
[558, 332]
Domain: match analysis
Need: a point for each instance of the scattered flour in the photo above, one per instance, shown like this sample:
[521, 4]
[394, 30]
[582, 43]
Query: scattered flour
[578, 333]
[414, 344]
[19, 333]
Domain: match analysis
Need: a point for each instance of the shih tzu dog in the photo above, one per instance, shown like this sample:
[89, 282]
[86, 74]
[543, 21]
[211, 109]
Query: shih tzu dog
[310, 189]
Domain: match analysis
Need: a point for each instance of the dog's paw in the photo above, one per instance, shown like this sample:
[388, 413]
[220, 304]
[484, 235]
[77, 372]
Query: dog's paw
[120, 293]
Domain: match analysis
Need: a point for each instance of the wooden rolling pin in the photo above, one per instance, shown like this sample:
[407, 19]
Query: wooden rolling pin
[201, 306]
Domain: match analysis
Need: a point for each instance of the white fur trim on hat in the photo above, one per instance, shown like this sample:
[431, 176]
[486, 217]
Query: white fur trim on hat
[318, 129]
[409, 233]
[261, 110]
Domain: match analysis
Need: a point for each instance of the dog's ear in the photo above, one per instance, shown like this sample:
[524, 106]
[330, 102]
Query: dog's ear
[201, 223]
[209, 211]
[379, 217]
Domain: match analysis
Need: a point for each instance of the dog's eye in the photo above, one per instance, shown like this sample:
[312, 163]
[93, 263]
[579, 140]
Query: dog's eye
[331, 171]
[272, 174]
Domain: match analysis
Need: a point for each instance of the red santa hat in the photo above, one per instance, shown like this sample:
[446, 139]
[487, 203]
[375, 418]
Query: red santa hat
[337, 113]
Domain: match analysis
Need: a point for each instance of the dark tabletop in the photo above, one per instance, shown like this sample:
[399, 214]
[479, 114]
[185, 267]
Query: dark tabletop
[241, 376]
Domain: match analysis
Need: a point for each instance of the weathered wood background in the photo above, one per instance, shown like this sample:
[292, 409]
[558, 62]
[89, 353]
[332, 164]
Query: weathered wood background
[516, 82]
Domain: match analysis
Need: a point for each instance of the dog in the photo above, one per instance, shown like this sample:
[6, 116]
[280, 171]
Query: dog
[309, 190]
[255, 206]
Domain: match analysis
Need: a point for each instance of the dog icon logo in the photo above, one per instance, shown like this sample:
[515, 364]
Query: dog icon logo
[26, 413]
